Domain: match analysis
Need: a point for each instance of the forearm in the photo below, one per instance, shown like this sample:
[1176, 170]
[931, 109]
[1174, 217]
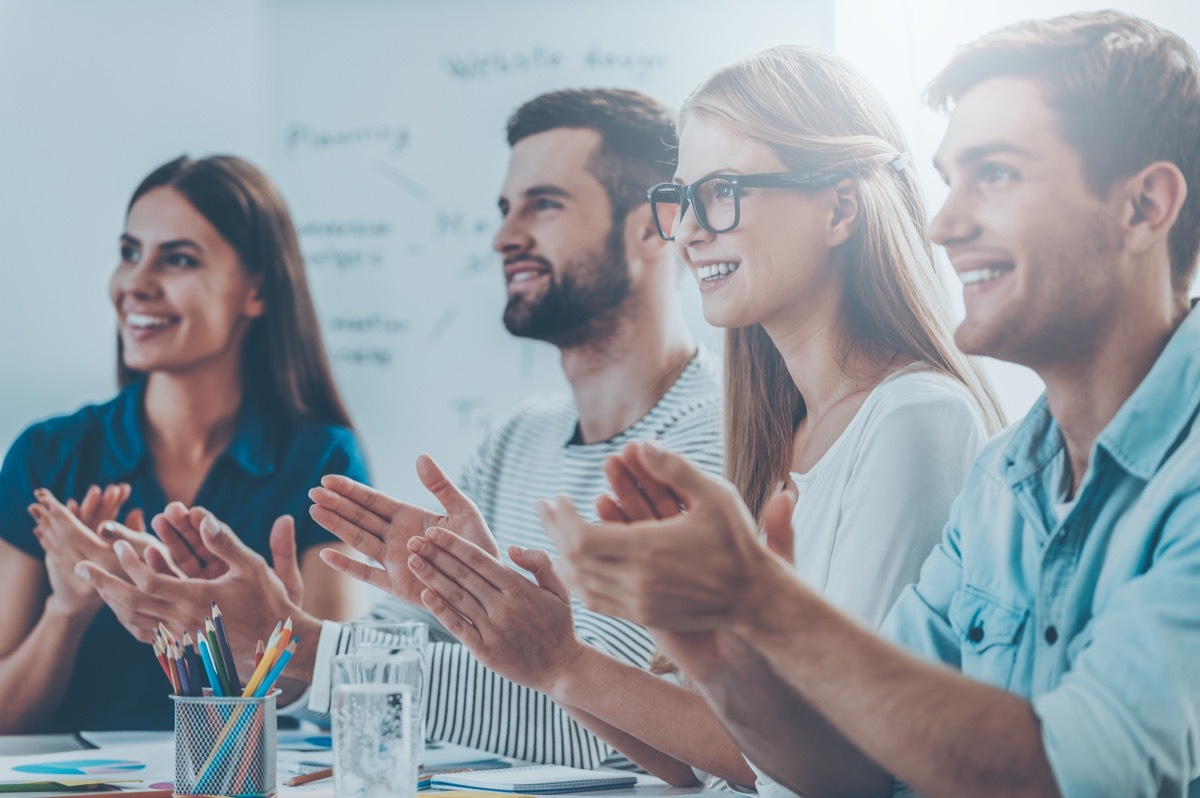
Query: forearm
[939, 732]
[33, 677]
[781, 732]
[645, 756]
[661, 726]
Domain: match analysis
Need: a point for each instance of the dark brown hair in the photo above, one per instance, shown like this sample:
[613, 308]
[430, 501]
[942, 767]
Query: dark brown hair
[1126, 92]
[284, 364]
[637, 137]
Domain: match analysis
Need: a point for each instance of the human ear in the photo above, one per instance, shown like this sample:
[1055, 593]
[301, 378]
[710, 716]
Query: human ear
[844, 218]
[256, 305]
[1155, 196]
[642, 241]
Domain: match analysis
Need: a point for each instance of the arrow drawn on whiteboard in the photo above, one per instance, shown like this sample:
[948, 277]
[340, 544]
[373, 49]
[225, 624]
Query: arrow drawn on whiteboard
[442, 324]
[399, 178]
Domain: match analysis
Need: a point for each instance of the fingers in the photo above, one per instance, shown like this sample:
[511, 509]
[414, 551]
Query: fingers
[777, 524]
[538, 563]
[675, 473]
[457, 625]
[138, 612]
[459, 591]
[61, 527]
[221, 541]
[355, 569]
[160, 562]
[354, 524]
[608, 509]
[380, 504]
[89, 504]
[135, 519]
[465, 553]
[175, 529]
[446, 492]
[112, 531]
[284, 559]
[146, 579]
[633, 502]
[663, 502]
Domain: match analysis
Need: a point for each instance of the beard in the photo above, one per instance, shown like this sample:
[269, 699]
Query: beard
[581, 302]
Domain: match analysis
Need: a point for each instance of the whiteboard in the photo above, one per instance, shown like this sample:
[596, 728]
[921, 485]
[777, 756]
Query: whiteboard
[382, 123]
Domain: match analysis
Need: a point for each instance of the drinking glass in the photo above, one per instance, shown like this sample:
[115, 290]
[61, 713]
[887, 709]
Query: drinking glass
[372, 712]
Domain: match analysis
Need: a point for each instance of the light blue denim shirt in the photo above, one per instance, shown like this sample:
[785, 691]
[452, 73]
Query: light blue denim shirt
[1094, 618]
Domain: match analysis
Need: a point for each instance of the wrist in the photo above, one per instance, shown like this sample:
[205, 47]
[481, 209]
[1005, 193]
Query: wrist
[71, 614]
[569, 674]
[308, 629]
[766, 609]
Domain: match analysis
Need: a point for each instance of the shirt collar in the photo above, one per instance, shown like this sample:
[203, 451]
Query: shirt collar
[254, 447]
[1144, 430]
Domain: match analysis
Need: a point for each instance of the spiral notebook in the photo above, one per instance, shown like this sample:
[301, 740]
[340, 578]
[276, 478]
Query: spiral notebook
[535, 779]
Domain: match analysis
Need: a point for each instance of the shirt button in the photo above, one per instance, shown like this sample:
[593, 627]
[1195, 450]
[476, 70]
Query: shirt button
[1051, 635]
[975, 633]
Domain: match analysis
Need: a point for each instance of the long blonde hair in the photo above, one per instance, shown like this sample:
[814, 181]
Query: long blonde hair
[818, 114]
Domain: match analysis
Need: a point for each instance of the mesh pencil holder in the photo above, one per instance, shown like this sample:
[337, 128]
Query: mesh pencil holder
[225, 746]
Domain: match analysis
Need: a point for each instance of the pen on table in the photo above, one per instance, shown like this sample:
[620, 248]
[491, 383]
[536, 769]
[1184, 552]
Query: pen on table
[316, 775]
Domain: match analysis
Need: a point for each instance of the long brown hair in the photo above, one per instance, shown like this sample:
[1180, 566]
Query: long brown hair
[284, 364]
[818, 114]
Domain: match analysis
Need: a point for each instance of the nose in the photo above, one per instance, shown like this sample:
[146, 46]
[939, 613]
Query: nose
[512, 237]
[139, 280]
[955, 221]
[688, 231]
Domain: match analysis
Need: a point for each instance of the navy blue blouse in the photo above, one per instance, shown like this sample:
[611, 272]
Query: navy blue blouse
[266, 471]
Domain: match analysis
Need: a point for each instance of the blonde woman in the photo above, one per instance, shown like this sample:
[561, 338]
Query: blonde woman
[794, 209]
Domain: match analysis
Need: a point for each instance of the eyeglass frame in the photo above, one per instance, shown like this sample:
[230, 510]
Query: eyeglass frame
[787, 180]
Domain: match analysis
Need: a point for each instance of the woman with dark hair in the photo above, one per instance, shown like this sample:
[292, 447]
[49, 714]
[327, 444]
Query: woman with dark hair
[226, 402]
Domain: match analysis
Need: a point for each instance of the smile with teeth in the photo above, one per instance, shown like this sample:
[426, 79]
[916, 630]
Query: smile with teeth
[976, 276]
[522, 276]
[717, 270]
[142, 321]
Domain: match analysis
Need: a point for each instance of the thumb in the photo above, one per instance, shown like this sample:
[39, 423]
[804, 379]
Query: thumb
[135, 519]
[538, 563]
[777, 525]
[283, 555]
[219, 539]
[158, 562]
[677, 473]
[446, 492]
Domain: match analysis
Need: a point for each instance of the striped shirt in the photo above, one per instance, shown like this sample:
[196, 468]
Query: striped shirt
[533, 455]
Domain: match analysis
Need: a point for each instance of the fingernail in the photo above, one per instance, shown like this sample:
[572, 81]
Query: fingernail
[416, 544]
[121, 546]
[434, 534]
[212, 527]
[651, 452]
[82, 572]
[517, 550]
[416, 563]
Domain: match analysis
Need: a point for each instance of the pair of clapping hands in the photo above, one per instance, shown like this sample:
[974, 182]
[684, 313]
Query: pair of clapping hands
[675, 550]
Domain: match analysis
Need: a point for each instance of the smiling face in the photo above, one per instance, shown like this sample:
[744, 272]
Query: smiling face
[775, 264]
[563, 256]
[182, 298]
[1038, 253]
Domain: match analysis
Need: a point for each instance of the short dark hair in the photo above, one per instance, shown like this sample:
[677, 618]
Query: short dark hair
[637, 137]
[1127, 94]
[284, 363]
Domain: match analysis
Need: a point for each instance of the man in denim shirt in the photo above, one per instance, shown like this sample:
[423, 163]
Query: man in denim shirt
[1065, 595]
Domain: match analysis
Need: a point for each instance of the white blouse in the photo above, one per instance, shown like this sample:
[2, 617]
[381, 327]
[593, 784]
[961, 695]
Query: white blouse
[873, 507]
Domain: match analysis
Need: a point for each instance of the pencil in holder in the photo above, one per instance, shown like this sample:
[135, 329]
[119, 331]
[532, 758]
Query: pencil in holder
[225, 746]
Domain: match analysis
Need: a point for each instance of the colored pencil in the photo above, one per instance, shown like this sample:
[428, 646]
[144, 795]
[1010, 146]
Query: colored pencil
[213, 680]
[185, 682]
[235, 682]
[308, 778]
[162, 660]
[195, 669]
[258, 652]
[267, 661]
[277, 668]
[214, 650]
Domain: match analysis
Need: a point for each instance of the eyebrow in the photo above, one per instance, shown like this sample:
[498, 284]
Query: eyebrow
[980, 151]
[546, 191]
[724, 170]
[178, 243]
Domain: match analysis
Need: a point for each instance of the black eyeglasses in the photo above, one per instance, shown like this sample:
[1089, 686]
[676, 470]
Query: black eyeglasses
[717, 199]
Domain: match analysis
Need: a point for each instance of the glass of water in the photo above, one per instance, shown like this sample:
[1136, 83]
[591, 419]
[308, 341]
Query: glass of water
[373, 707]
[380, 637]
